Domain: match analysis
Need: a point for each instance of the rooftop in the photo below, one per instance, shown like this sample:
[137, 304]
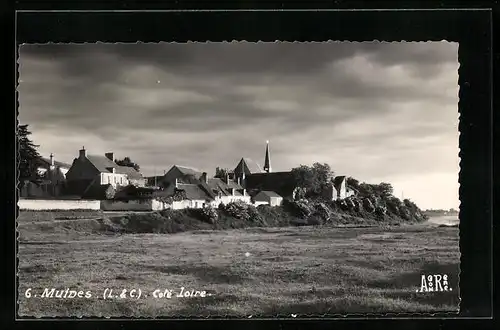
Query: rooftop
[103, 165]
[56, 163]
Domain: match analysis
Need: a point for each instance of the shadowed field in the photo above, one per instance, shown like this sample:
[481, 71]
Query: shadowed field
[259, 271]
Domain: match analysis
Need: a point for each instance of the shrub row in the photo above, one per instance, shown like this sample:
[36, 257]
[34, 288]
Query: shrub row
[291, 213]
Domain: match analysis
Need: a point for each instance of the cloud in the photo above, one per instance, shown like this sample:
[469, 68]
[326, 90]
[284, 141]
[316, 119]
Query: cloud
[376, 111]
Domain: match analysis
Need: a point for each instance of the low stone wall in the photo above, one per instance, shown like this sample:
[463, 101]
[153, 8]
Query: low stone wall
[58, 204]
[132, 205]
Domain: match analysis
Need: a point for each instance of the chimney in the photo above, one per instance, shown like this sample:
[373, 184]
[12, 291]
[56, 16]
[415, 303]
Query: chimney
[227, 177]
[110, 156]
[83, 153]
[51, 159]
[204, 177]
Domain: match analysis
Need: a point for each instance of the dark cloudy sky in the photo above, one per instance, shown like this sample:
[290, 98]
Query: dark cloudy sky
[375, 111]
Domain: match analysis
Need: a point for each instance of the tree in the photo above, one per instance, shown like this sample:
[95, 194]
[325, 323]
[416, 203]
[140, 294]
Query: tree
[221, 173]
[28, 157]
[353, 183]
[312, 178]
[323, 172]
[127, 162]
[385, 189]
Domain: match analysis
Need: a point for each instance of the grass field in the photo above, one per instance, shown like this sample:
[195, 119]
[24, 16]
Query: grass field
[260, 271]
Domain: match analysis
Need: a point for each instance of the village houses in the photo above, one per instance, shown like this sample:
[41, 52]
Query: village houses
[247, 183]
[95, 172]
[99, 177]
[53, 178]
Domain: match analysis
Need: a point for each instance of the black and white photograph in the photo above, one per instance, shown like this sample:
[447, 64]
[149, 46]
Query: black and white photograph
[238, 179]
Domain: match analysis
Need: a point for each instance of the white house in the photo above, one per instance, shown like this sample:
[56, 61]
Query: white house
[99, 170]
[226, 191]
[53, 175]
[267, 197]
[196, 196]
[338, 189]
[53, 170]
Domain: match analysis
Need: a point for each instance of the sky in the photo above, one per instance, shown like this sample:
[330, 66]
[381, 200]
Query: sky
[379, 112]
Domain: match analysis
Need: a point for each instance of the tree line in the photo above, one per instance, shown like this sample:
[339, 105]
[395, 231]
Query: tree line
[317, 177]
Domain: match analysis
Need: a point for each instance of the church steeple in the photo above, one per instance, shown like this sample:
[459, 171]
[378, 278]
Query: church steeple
[267, 161]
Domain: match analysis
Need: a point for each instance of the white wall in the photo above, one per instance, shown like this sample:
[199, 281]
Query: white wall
[229, 199]
[157, 205]
[58, 204]
[121, 179]
[64, 171]
[131, 205]
[188, 204]
[276, 201]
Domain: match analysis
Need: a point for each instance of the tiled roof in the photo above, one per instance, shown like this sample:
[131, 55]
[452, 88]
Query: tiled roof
[247, 165]
[130, 171]
[189, 170]
[337, 181]
[233, 184]
[217, 185]
[225, 188]
[56, 163]
[195, 192]
[283, 183]
[269, 193]
[102, 163]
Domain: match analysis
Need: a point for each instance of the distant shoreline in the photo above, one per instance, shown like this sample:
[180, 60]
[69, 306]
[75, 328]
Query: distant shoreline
[444, 220]
[440, 213]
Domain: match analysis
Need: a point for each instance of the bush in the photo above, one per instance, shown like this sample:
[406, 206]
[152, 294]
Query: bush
[321, 211]
[276, 216]
[209, 214]
[381, 211]
[368, 205]
[315, 220]
[238, 210]
[342, 205]
[151, 223]
[301, 208]
[254, 215]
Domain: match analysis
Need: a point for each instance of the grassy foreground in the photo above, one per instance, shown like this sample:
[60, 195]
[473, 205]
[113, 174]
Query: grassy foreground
[257, 271]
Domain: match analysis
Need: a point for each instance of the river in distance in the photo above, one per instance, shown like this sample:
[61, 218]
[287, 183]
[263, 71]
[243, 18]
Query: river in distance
[448, 220]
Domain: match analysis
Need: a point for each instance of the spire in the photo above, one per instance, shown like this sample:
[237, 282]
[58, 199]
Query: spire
[267, 161]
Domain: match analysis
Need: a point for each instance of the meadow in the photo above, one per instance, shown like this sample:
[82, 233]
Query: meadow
[260, 271]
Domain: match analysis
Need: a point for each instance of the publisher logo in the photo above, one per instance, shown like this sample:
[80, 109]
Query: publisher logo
[434, 283]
